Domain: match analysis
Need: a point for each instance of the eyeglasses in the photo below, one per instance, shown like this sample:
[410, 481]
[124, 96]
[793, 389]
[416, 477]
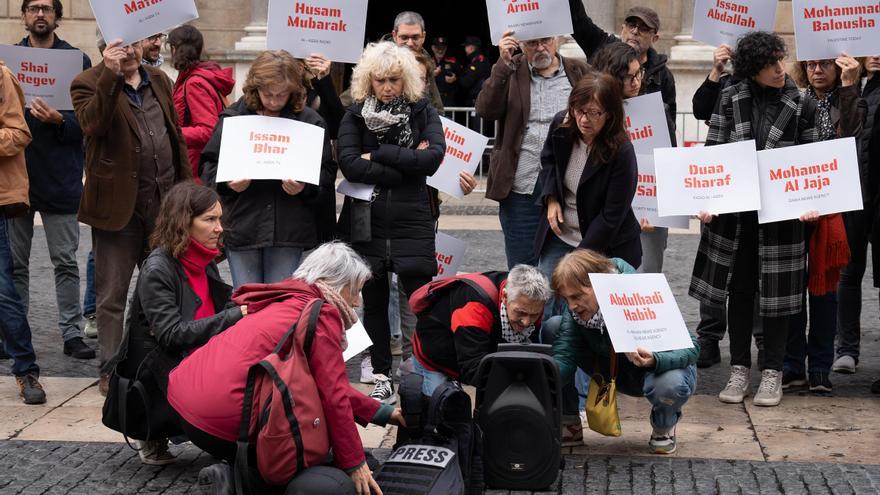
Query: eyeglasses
[35, 9]
[629, 79]
[593, 115]
[824, 64]
[541, 41]
[640, 27]
[156, 38]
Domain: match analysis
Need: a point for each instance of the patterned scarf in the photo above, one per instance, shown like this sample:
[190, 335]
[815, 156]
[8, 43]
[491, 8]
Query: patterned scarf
[823, 114]
[389, 121]
[597, 322]
[509, 334]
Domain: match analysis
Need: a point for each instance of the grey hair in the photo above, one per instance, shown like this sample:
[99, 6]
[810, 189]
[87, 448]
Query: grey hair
[527, 281]
[409, 17]
[337, 265]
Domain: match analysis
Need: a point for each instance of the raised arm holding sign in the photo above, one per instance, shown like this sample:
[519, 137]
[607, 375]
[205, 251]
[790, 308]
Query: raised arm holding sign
[722, 22]
[825, 29]
[134, 20]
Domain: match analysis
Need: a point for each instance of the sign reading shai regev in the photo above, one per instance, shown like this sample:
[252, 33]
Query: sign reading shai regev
[44, 73]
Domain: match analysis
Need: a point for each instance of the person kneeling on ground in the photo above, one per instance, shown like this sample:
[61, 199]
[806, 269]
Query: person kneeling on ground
[207, 389]
[667, 379]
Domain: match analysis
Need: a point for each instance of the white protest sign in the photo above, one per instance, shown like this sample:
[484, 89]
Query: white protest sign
[332, 28]
[450, 253]
[528, 19]
[824, 29]
[257, 147]
[645, 201]
[640, 311]
[356, 190]
[821, 177]
[464, 150]
[134, 20]
[44, 73]
[722, 22]
[646, 123]
[358, 341]
[715, 179]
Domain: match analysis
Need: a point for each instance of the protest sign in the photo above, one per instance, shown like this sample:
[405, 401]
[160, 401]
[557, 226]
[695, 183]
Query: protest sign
[646, 123]
[528, 19]
[450, 253]
[464, 150]
[356, 190]
[825, 29]
[640, 311]
[715, 179]
[721, 22]
[821, 177]
[257, 147]
[332, 28]
[44, 73]
[645, 201]
[358, 340]
[134, 20]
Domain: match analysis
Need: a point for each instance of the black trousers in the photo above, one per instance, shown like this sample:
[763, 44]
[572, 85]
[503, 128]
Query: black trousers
[741, 304]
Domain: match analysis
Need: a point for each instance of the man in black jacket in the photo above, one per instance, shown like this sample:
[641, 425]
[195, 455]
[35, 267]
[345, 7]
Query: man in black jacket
[475, 71]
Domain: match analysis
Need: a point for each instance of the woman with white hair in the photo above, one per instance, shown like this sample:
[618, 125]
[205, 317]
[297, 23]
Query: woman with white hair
[392, 139]
[207, 388]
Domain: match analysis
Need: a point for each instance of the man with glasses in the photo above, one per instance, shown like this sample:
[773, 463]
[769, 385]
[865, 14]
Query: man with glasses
[409, 31]
[152, 47]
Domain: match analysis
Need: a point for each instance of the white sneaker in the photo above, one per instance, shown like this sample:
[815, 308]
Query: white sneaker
[91, 327]
[384, 390]
[367, 370]
[737, 387]
[844, 364]
[770, 391]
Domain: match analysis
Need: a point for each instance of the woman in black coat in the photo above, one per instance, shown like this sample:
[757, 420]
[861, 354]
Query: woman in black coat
[391, 138]
[589, 177]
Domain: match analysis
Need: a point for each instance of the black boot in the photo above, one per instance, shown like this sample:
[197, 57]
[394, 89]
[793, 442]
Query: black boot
[78, 349]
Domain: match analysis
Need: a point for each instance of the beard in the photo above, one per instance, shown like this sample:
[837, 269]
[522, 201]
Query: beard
[542, 61]
[41, 29]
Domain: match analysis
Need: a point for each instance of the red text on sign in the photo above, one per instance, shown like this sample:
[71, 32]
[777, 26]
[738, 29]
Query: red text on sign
[707, 176]
[832, 14]
[311, 23]
[136, 5]
[268, 143]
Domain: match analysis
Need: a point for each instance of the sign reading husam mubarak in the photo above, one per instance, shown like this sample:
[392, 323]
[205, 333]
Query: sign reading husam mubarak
[824, 29]
[821, 177]
[464, 150]
[134, 20]
[646, 123]
[718, 22]
[332, 28]
[44, 73]
[528, 19]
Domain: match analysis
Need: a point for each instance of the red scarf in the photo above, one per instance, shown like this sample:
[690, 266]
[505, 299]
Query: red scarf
[195, 260]
[829, 254]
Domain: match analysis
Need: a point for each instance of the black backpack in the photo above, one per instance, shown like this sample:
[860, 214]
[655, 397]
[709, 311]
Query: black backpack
[439, 452]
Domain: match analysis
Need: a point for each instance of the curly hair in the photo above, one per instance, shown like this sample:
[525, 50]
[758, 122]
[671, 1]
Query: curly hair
[56, 4]
[188, 43]
[183, 203]
[614, 59]
[755, 51]
[798, 72]
[606, 91]
[384, 59]
[275, 67]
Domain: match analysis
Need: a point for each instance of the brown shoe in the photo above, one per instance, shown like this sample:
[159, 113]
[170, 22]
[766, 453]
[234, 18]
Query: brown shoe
[104, 384]
[30, 390]
[572, 435]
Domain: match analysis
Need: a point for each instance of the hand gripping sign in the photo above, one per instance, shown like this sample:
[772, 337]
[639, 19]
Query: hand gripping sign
[645, 201]
[824, 29]
[715, 179]
[464, 150]
[646, 123]
[332, 28]
[134, 20]
[44, 73]
[257, 147]
[528, 19]
[450, 253]
[821, 177]
[640, 311]
[722, 22]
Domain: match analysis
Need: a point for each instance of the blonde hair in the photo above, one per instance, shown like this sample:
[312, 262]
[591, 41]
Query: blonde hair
[574, 269]
[275, 67]
[384, 59]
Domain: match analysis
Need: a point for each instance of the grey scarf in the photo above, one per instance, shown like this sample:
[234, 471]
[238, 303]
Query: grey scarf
[389, 121]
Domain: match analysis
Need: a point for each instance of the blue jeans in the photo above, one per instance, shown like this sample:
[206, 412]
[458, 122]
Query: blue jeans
[667, 393]
[89, 300]
[519, 215]
[432, 379]
[819, 346]
[13, 323]
[553, 251]
[262, 266]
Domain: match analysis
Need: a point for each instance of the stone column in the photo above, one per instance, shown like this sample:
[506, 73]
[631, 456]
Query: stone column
[603, 14]
[255, 39]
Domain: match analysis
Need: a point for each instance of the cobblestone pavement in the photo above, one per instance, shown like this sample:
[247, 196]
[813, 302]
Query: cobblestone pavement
[102, 468]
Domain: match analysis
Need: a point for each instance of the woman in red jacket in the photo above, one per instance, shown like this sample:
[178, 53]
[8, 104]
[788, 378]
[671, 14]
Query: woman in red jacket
[207, 388]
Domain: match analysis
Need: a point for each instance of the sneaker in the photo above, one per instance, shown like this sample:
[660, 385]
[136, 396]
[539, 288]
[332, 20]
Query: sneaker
[384, 390]
[30, 390]
[770, 391]
[844, 364]
[737, 386]
[792, 379]
[396, 345]
[155, 453]
[663, 442]
[217, 479]
[78, 349]
[820, 382]
[367, 370]
[710, 354]
[572, 434]
[91, 327]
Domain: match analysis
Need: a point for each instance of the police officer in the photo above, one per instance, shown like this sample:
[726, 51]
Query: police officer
[475, 71]
[446, 69]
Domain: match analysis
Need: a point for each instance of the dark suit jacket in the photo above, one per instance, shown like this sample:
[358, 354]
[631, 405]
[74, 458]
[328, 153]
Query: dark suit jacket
[112, 142]
[604, 196]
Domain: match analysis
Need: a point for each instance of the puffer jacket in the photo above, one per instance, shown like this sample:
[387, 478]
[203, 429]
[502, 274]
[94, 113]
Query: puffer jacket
[401, 221]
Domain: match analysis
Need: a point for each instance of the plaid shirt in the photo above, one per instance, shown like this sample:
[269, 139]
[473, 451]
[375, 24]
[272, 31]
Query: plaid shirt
[781, 251]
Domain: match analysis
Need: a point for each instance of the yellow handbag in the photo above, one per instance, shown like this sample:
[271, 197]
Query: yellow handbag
[602, 402]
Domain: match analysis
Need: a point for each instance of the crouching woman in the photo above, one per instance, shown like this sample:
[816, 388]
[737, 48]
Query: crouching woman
[666, 379]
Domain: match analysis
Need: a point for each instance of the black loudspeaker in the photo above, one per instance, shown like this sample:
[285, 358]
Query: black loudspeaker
[519, 407]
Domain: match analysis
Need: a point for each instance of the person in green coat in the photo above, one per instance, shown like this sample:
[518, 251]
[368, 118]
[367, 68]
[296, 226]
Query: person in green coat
[666, 379]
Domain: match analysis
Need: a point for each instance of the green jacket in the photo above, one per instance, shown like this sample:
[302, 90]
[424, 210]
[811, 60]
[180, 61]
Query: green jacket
[578, 347]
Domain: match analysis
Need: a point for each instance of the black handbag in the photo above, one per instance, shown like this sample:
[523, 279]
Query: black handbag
[360, 213]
